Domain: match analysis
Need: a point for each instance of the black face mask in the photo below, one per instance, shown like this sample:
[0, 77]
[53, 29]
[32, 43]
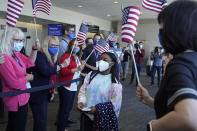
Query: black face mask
[160, 36]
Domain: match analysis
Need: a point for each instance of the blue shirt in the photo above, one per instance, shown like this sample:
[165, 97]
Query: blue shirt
[63, 47]
[157, 59]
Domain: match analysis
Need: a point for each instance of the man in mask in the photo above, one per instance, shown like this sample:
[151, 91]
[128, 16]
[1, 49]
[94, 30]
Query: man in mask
[91, 63]
[96, 38]
[68, 34]
[139, 58]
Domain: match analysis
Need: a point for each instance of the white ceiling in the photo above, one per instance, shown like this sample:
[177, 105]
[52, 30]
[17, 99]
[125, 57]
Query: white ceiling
[100, 8]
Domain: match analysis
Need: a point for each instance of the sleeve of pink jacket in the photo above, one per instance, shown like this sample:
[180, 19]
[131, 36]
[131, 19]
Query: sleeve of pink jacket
[8, 74]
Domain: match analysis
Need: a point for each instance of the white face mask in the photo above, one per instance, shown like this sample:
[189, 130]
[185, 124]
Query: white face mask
[103, 65]
[17, 46]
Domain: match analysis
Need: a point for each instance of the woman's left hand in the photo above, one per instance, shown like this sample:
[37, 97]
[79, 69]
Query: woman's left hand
[93, 109]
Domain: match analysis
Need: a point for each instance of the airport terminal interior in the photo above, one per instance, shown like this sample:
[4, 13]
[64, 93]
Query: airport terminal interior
[125, 28]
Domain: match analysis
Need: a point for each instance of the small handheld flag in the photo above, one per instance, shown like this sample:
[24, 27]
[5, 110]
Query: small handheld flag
[130, 17]
[13, 11]
[154, 5]
[81, 36]
[102, 46]
[112, 37]
[41, 5]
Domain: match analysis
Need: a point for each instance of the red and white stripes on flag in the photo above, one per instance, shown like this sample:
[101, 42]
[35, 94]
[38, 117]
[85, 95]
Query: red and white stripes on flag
[100, 49]
[130, 17]
[154, 5]
[102, 46]
[81, 36]
[112, 37]
[41, 5]
[13, 11]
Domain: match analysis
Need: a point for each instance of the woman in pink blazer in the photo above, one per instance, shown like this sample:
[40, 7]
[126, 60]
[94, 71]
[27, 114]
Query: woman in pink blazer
[14, 77]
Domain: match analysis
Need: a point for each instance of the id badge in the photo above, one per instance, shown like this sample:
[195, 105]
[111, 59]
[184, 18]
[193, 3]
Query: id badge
[28, 85]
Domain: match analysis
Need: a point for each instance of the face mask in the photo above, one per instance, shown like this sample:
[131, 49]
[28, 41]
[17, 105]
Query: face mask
[52, 50]
[95, 42]
[76, 49]
[103, 65]
[112, 44]
[160, 36]
[17, 46]
[71, 35]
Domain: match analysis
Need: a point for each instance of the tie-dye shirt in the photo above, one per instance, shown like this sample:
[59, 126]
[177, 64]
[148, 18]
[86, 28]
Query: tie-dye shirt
[101, 90]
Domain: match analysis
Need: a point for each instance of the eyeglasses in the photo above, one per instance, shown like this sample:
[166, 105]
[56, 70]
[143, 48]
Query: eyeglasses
[19, 40]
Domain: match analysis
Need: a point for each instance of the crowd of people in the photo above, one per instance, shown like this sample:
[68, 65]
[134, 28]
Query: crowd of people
[100, 92]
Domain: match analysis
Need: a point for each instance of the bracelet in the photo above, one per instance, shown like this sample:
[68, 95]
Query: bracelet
[60, 66]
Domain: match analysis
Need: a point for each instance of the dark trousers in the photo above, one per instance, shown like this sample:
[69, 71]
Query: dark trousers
[139, 67]
[39, 110]
[159, 70]
[86, 124]
[17, 120]
[66, 99]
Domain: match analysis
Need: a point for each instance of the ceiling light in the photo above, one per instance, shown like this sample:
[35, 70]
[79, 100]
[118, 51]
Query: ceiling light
[80, 6]
[116, 2]
[108, 15]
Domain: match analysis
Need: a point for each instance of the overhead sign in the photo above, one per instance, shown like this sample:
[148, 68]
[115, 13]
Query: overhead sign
[55, 30]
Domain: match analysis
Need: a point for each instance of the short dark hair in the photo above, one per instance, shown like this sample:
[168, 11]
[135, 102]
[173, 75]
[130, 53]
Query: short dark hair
[66, 28]
[179, 27]
[114, 70]
[86, 41]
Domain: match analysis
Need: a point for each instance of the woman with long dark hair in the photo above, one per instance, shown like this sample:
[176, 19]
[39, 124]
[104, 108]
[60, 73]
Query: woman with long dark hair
[101, 96]
[175, 103]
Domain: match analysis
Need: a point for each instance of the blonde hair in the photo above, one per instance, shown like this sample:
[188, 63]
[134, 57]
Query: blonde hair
[44, 48]
[5, 46]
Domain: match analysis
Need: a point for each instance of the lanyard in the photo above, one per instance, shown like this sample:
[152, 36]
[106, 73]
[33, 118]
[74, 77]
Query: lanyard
[17, 60]
[96, 54]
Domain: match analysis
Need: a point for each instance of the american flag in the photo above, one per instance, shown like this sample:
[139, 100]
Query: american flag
[13, 11]
[102, 46]
[154, 5]
[130, 17]
[81, 36]
[41, 5]
[112, 37]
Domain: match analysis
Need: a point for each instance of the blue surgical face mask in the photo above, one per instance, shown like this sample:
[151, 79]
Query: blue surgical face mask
[71, 35]
[95, 42]
[112, 44]
[53, 50]
[76, 49]
[160, 36]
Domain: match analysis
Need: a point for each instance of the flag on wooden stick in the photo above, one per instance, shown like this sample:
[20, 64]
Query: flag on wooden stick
[13, 11]
[81, 36]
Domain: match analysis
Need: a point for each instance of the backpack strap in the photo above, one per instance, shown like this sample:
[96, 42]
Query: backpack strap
[92, 75]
